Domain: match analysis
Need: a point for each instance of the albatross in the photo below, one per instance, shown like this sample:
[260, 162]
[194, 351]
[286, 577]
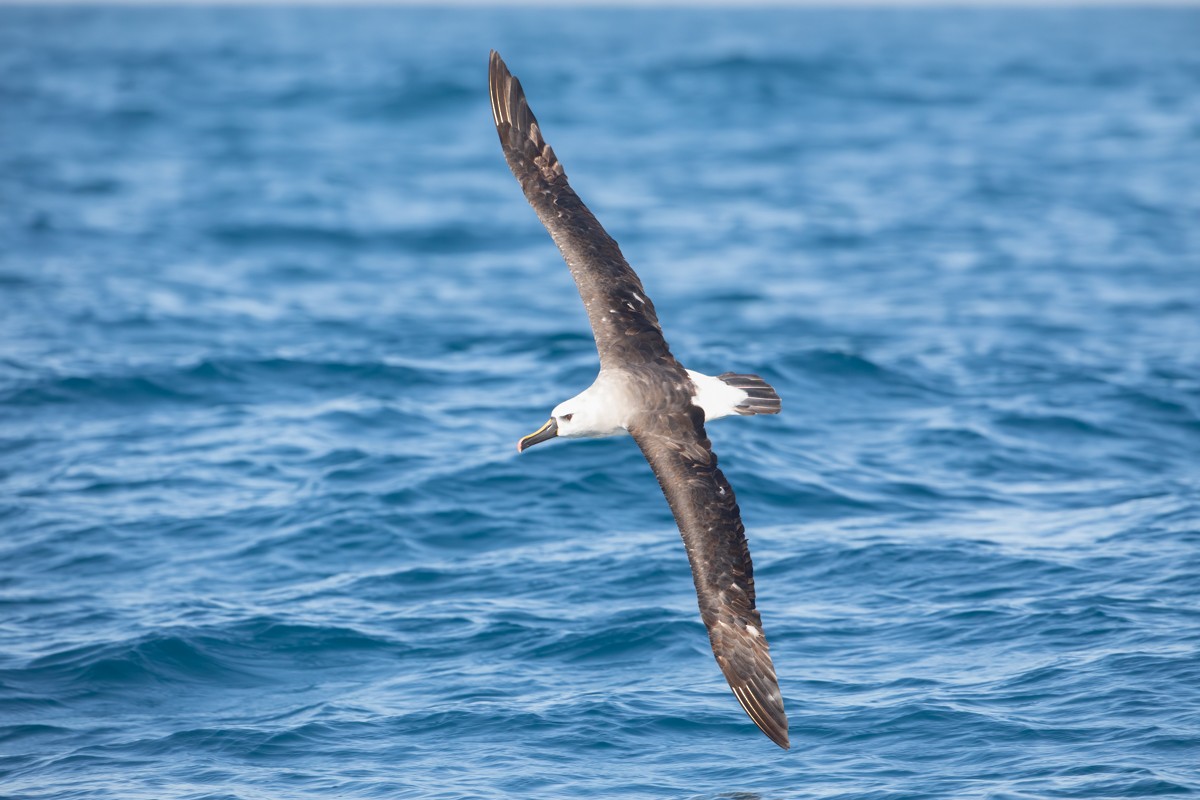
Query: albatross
[643, 391]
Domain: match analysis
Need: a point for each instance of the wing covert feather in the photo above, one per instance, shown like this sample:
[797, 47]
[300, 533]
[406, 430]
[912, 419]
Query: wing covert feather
[710, 522]
[623, 319]
[629, 339]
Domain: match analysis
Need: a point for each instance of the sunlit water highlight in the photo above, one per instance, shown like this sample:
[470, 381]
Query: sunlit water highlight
[275, 313]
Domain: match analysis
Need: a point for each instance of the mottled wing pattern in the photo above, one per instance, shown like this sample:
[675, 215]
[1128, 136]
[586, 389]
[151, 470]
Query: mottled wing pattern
[622, 316]
[706, 510]
[672, 435]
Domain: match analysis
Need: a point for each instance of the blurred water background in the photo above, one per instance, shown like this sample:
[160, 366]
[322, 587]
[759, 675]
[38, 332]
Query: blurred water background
[274, 314]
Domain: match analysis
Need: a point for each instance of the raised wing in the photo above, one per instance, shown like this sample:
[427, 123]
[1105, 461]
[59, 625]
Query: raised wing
[711, 524]
[622, 316]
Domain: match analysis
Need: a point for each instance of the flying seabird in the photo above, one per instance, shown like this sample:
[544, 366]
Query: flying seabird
[643, 391]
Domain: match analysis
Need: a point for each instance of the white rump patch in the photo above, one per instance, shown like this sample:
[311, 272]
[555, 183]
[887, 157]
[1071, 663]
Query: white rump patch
[714, 396]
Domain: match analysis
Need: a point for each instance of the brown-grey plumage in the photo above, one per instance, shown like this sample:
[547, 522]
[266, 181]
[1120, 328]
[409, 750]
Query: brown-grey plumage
[710, 522]
[622, 316]
[666, 423]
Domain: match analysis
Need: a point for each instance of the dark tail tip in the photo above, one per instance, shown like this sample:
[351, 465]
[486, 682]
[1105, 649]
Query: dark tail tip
[761, 397]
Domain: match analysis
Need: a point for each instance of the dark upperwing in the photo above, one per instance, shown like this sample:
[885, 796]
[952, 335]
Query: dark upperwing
[711, 524]
[671, 432]
[622, 317]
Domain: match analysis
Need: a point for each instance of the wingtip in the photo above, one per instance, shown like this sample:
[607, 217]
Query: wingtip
[517, 127]
[505, 92]
[497, 69]
[497, 75]
[778, 735]
[772, 722]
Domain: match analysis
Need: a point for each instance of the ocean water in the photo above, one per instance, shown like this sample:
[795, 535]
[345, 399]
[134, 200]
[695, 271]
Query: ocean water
[274, 314]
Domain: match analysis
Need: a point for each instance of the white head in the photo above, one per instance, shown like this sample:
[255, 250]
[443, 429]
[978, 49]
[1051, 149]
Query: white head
[589, 414]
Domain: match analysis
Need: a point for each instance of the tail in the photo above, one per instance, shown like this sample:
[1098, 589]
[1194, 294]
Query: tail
[760, 396]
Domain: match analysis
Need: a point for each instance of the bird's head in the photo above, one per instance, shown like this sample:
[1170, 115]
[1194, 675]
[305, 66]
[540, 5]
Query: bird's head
[584, 415]
[561, 423]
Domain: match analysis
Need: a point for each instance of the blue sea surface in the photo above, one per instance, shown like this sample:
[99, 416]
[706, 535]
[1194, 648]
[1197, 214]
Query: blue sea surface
[275, 313]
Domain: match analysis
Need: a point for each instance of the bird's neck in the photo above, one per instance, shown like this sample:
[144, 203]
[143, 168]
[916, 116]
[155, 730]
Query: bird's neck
[604, 407]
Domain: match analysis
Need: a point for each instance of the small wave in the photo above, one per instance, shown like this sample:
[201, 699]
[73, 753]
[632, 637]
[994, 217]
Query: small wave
[415, 100]
[838, 371]
[212, 379]
[810, 71]
[15, 280]
[25, 732]
[318, 641]
[150, 659]
[1058, 426]
[635, 638]
[130, 390]
[240, 654]
[433, 239]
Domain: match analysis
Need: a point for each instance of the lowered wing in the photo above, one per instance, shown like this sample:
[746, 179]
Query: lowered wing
[711, 524]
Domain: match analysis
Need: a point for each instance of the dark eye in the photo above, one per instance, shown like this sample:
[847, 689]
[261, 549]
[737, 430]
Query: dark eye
[567, 417]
